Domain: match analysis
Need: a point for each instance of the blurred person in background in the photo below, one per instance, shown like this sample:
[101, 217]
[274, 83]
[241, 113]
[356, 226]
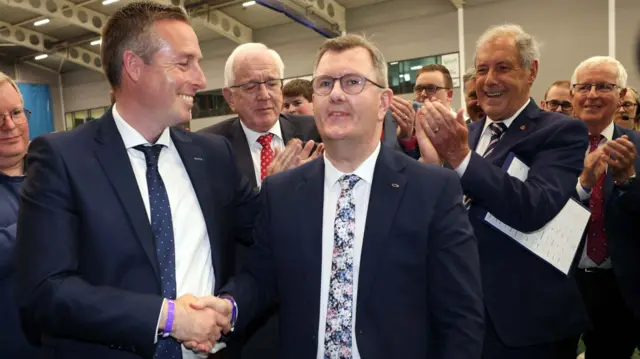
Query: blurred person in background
[628, 114]
[298, 97]
[473, 111]
[557, 98]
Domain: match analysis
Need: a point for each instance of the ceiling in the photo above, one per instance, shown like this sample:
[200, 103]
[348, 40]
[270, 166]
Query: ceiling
[74, 24]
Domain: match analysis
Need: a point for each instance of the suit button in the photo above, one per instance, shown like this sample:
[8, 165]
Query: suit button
[112, 346]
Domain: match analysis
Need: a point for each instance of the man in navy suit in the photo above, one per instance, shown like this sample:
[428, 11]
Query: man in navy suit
[533, 310]
[608, 272]
[126, 220]
[382, 261]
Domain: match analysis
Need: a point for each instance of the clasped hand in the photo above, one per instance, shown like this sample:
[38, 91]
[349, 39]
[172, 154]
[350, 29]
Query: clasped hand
[442, 136]
[200, 322]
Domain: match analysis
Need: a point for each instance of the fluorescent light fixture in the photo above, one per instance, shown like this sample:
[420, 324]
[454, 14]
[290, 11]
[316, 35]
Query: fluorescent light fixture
[416, 67]
[41, 22]
[40, 57]
[393, 63]
[96, 42]
[248, 3]
[107, 2]
[407, 77]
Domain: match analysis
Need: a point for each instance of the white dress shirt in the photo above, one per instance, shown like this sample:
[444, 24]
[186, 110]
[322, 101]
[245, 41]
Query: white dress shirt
[255, 148]
[585, 261]
[194, 269]
[485, 138]
[361, 192]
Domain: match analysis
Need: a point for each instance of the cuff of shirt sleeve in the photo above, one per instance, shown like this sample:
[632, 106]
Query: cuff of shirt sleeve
[155, 336]
[463, 165]
[583, 193]
[409, 144]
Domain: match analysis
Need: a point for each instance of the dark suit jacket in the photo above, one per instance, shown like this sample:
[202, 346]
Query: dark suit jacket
[87, 269]
[419, 286]
[529, 301]
[622, 215]
[292, 126]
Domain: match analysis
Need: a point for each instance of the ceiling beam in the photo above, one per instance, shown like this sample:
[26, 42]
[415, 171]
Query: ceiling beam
[218, 22]
[330, 11]
[44, 44]
[64, 10]
[458, 4]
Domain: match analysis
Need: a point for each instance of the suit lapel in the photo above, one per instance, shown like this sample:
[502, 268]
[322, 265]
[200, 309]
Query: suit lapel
[243, 154]
[310, 196]
[288, 130]
[475, 130]
[194, 161]
[387, 190]
[519, 129]
[113, 157]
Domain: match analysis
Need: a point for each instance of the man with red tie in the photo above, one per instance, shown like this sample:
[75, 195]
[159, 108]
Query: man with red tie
[265, 141]
[608, 269]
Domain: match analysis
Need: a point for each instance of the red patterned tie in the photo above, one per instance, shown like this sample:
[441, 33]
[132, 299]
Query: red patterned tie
[266, 154]
[596, 235]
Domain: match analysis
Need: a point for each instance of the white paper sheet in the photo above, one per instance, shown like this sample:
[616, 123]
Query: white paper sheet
[556, 242]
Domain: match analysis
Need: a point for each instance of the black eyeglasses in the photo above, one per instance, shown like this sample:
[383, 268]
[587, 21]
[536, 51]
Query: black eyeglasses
[272, 85]
[351, 84]
[628, 105]
[431, 89]
[18, 116]
[600, 88]
[553, 105]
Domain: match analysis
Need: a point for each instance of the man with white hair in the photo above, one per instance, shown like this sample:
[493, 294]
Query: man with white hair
[253, 79]
[532, 310]
[608, 272]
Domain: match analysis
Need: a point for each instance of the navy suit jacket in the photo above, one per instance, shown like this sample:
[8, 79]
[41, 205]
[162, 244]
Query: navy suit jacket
[623, 232]
[529, 301]
[86, 264]
[419, 286]
[301, 127]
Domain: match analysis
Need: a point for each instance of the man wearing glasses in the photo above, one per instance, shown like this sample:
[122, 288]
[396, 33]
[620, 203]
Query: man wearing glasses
[265, 141]
[433, 83]
[557, 98]
[608, 270]
[14, 139]
[406, 287]
[628, 114]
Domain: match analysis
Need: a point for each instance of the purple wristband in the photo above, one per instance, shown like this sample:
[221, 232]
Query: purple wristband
[170, 315]
[234, 312]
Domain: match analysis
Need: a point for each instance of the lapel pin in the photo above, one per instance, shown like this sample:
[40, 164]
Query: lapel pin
[523, 127]
[198, 158]
[395, 185]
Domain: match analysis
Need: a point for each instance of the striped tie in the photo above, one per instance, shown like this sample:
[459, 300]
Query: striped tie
[497, 130]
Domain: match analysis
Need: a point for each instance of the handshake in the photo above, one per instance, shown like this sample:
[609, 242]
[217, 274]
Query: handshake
[198, 323]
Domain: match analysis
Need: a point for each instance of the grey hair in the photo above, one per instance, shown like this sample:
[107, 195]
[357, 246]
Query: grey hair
[4, 78]
[621, 73]
[469, 75]
[528, 47]
[229, 76]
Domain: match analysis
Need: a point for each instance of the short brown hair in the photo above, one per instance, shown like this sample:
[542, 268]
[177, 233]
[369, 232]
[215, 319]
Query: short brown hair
[131, 28]
[298, 87]
[560, 83]
[352, 41]
[448, 82]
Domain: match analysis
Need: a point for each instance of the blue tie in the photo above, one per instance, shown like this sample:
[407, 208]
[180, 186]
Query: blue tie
[162, 228]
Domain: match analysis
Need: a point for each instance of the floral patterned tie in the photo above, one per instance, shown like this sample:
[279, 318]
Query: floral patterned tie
[338, 336]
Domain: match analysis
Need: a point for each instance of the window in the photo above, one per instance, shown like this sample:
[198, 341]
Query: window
[78, 118]
[402, 74]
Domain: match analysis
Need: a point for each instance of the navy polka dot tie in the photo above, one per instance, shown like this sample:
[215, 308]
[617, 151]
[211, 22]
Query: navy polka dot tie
[162, 228]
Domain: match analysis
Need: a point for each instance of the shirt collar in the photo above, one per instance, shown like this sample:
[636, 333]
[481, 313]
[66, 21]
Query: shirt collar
[608, 132]
[132, 138]
[252, 136]
[509, 120]
[364, 171]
